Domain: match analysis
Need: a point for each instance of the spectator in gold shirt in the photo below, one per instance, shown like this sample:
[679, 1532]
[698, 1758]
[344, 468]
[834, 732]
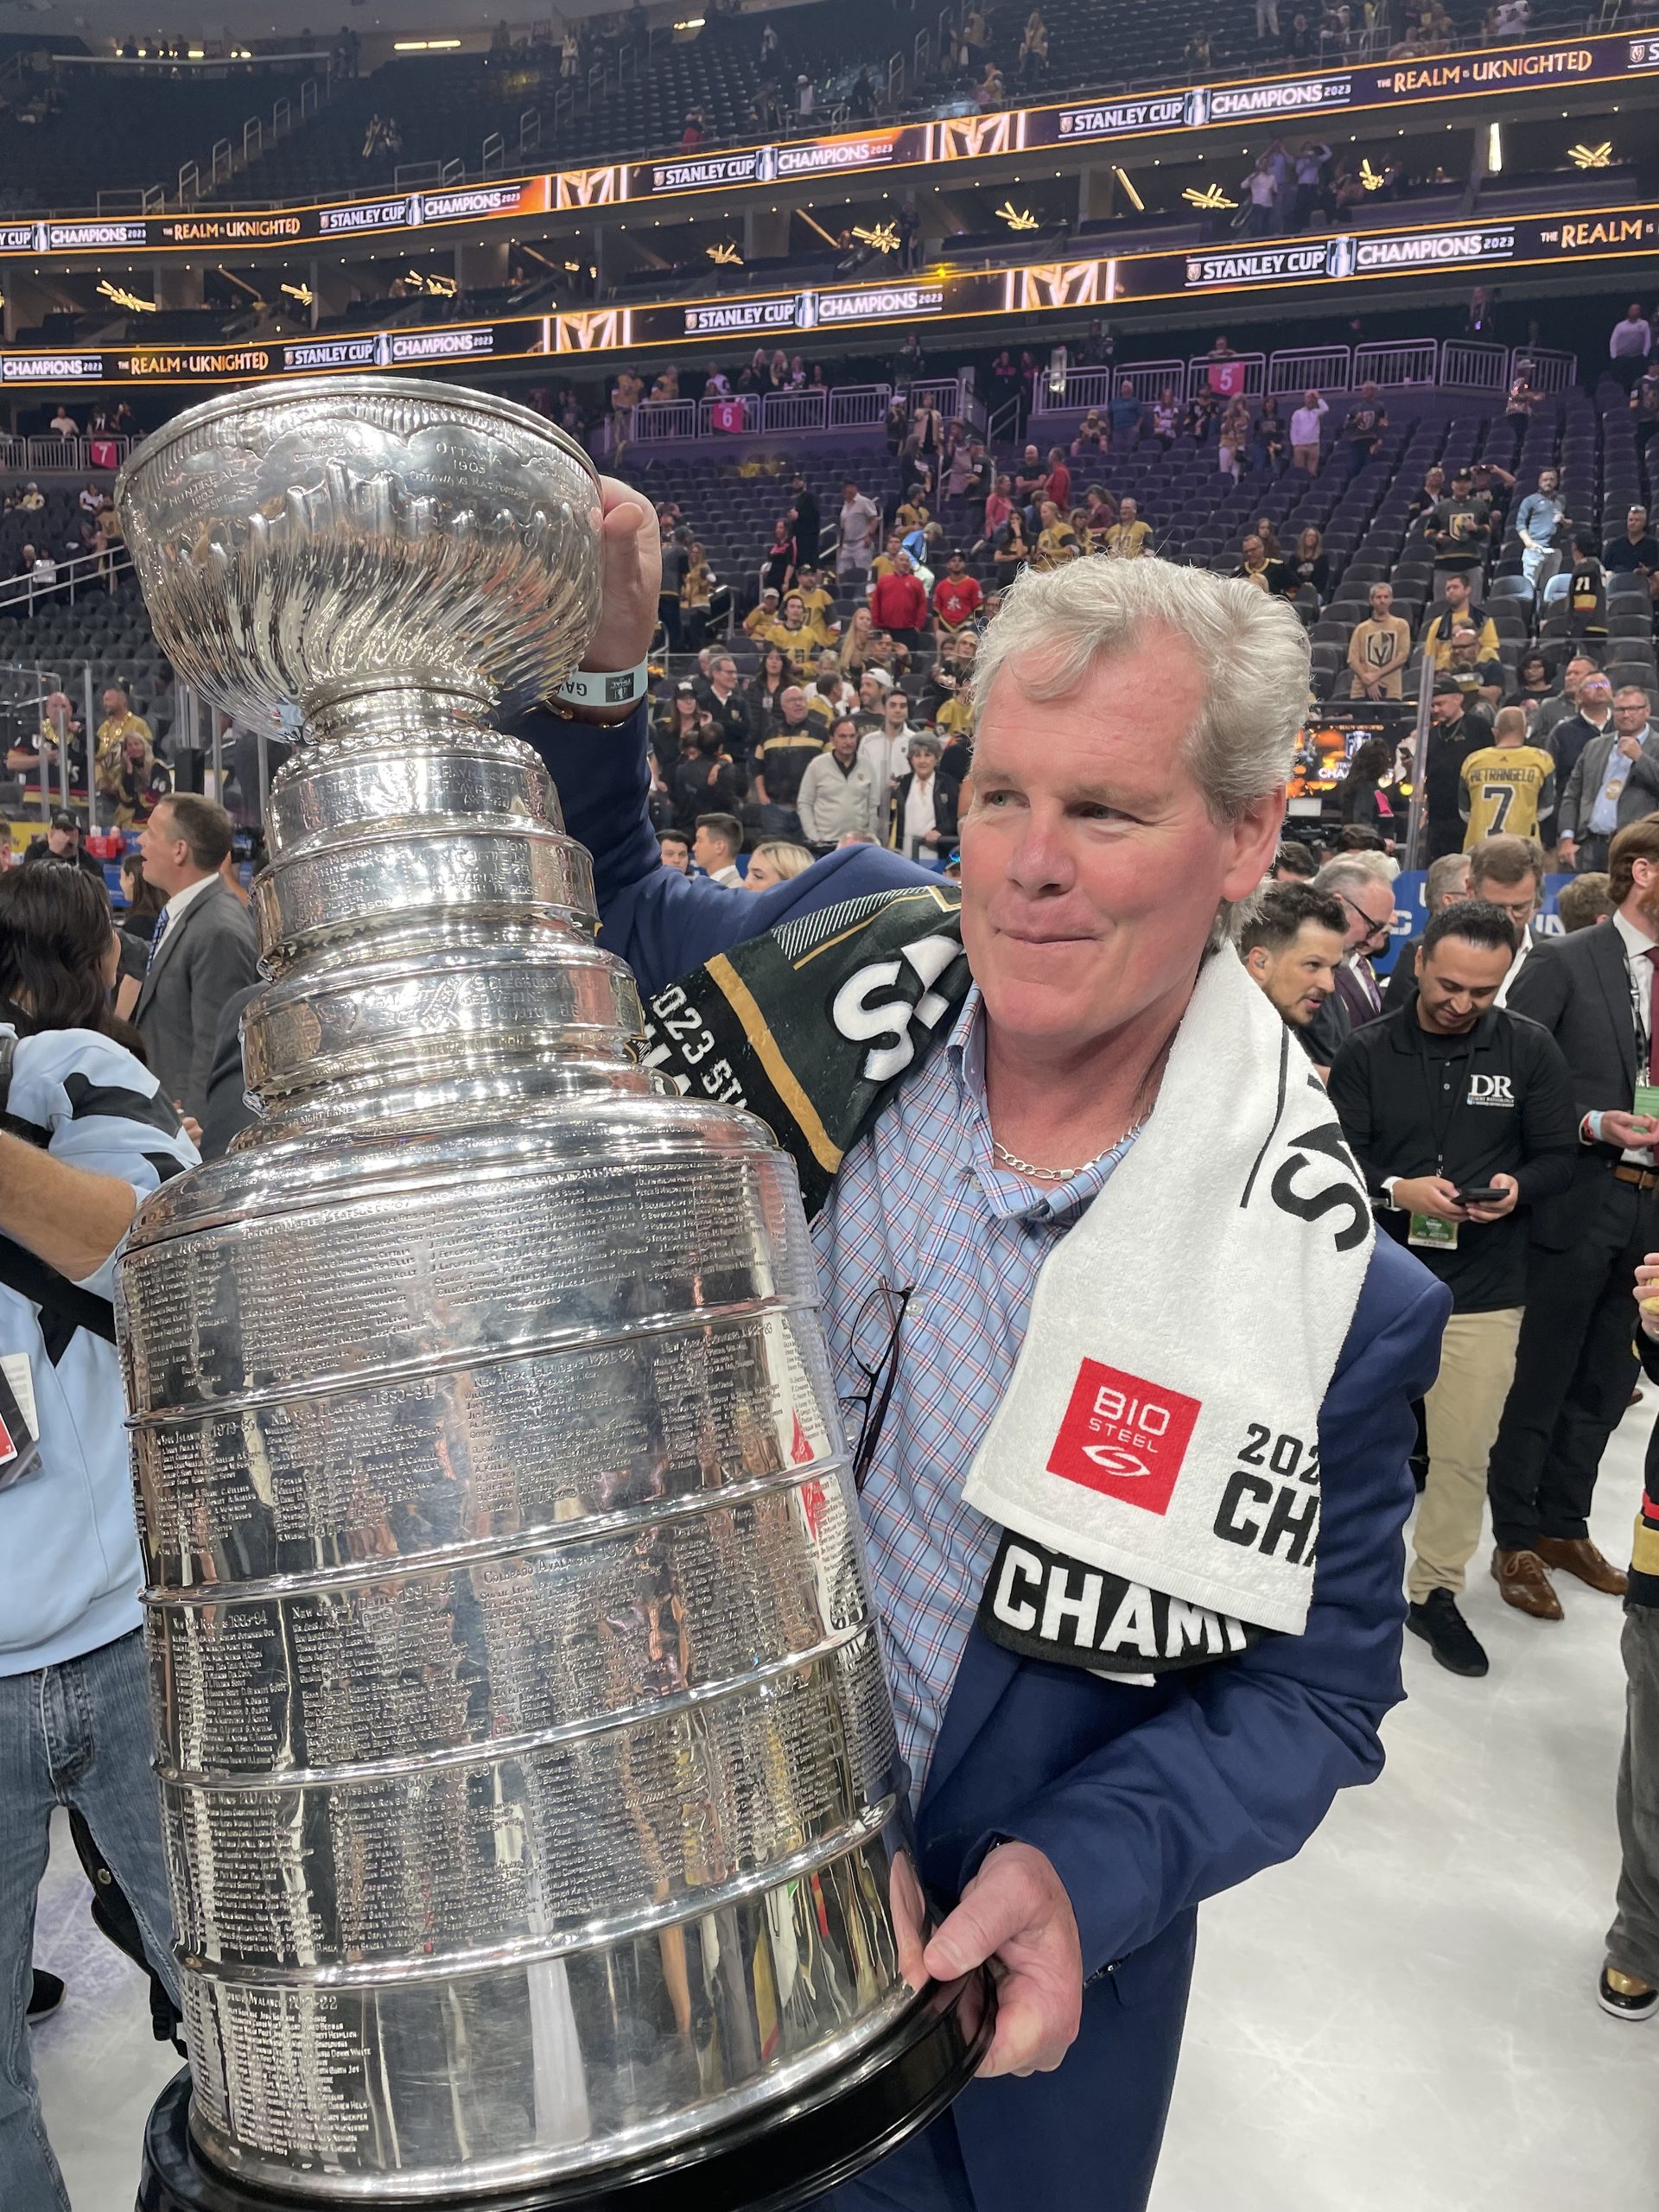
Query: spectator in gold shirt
[1056, 541]
[1128, 538]
[1378, 649]
[126, 753]
[797, 634]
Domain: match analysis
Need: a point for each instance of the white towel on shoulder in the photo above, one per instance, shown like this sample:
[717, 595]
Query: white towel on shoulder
[1162, 1421]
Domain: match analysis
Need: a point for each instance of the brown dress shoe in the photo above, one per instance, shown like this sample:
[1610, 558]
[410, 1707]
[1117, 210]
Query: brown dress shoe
[1522, 1583]
[1578, 1555]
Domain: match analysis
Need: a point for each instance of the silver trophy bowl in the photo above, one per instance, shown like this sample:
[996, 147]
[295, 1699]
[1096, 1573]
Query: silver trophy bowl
[528, 1771]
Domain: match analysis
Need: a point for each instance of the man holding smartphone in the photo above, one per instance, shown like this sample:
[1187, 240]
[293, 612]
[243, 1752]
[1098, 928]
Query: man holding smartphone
[1461, 1115]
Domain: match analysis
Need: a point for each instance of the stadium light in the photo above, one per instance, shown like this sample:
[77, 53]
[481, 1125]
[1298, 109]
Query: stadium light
[1135, 200]
[425, 45]
[1495, 148]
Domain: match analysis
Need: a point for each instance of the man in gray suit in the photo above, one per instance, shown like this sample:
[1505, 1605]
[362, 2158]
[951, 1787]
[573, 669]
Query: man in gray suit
[203, 949]
[1615, 780]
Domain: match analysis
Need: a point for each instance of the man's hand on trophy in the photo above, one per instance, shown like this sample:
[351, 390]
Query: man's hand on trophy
[631, 554]
[1015, 1913]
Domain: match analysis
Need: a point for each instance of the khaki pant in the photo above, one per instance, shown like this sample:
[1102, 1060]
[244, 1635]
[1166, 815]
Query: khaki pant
[1463, 1411]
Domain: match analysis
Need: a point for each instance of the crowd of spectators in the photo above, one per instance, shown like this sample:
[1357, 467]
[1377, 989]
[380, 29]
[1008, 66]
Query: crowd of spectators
[861, 616]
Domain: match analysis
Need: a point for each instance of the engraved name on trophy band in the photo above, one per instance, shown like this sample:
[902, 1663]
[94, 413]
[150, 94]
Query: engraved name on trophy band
[528, 1771]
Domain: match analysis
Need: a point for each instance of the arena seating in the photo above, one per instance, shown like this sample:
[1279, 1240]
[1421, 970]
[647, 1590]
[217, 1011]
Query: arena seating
[1200, 516]
[92, 133]
[445, 106]
[62, 122]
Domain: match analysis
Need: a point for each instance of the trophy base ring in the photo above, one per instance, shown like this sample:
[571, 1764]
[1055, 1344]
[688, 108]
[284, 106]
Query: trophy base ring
[774, 2160]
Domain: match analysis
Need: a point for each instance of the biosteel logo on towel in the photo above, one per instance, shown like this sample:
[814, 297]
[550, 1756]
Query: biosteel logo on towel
[1123, 1436]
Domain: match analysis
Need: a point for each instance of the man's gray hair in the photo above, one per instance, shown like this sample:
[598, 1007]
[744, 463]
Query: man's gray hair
[1442, 874]
[1353, 871]
[1251, 651]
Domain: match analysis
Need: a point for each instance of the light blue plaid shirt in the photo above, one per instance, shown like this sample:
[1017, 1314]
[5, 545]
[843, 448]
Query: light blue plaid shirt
[921, 1204]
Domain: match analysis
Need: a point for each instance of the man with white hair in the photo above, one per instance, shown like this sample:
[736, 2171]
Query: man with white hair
[1121, 1681]
[1362, 886]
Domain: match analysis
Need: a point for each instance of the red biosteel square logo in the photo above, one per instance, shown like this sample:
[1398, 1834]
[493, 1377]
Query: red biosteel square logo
[1123, 1436]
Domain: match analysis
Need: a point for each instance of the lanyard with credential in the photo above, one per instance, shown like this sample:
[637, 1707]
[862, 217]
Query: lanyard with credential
[1441, 1109]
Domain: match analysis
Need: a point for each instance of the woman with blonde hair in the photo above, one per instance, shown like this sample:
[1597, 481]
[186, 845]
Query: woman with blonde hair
[858, 644]
[776, 861]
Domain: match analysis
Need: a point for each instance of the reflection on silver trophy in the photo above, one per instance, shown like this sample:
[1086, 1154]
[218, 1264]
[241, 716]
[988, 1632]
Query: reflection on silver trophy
[527, 1763]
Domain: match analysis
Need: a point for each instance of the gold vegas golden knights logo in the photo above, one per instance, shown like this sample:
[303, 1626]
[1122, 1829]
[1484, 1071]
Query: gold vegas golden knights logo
[590, 330]
[587, 187]
[966, 138]
[1060, 284]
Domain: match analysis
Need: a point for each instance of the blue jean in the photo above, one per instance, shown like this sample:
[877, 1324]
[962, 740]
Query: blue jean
[78, 1734]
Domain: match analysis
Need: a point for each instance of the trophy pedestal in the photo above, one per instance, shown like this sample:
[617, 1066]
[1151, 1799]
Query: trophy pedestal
[783, 2155]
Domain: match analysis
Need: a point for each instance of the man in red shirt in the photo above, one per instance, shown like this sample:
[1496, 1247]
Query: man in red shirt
[898, 601]
[956, 597]
[1059, 480]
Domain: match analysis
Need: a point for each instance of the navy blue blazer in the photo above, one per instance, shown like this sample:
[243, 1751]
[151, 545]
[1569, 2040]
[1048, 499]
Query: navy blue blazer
[1144, 1801]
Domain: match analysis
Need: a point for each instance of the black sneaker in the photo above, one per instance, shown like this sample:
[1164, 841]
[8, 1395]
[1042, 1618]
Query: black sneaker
[45, 1997]
[1447, 1633]
[1625, 1997]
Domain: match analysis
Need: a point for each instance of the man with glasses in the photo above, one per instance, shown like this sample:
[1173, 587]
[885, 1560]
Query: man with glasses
[1508, 873]
[1614, 782]
[1135, 723]
[1589, 717]
[1362, 886]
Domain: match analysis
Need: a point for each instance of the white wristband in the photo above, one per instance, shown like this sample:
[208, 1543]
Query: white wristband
[598, 687]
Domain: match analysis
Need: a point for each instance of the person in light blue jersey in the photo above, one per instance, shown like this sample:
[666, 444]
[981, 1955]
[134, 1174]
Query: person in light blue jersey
[87, 1133]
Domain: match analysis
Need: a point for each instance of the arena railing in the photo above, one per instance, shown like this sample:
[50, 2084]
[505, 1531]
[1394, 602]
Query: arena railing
[1550, 371]
[50, 454]
[796, 411]
[1415, 361]
[951, 396]
[657, 421]
[1470, 366]
[1321, 368]
[1254, 366]
[856, 406]
[1405, 364]
[844, 407]
[25, 689]
[22, 595]
[1097, 387]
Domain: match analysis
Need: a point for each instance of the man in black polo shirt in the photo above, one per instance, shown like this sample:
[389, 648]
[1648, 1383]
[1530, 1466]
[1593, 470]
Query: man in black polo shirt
[1455, 1095]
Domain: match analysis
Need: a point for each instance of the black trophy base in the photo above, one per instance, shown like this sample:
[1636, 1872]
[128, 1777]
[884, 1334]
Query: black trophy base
[771, 2160]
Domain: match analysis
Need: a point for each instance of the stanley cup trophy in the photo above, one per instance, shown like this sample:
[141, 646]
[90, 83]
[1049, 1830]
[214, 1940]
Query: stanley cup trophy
[527, 1767]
